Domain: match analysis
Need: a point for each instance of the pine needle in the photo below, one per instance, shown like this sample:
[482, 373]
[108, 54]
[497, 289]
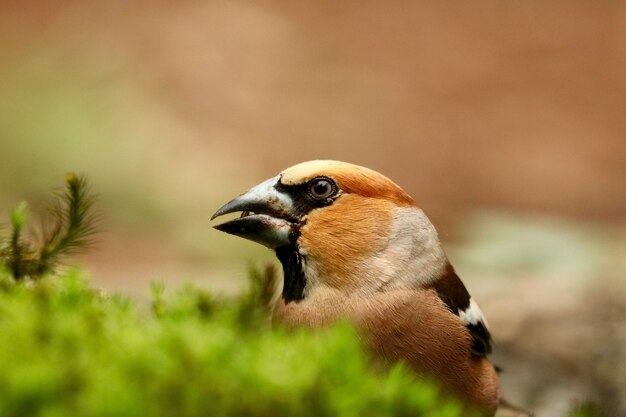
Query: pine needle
[71, 230]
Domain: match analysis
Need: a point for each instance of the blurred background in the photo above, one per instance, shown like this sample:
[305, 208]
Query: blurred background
[505, 120]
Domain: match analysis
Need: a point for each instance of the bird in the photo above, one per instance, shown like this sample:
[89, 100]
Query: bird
[354, 245]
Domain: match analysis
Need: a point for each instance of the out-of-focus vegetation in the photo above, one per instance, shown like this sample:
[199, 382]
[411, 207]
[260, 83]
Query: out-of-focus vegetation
[508, 244]
[70, 350]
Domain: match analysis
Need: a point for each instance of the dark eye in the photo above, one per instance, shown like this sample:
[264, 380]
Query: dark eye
[321, 188]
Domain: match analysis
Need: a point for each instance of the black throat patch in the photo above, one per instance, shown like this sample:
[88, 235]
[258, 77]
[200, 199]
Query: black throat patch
[293, 274]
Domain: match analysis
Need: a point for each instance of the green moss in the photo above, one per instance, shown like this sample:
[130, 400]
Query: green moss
[69, 350]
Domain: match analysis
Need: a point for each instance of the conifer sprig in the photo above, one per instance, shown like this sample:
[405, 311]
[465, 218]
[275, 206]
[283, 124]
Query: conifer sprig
[71, 229]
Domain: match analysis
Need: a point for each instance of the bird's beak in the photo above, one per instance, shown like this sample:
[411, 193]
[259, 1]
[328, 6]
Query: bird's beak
[266, 218]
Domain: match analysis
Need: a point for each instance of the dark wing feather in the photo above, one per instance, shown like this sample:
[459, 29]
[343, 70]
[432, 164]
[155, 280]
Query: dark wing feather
[453, 293]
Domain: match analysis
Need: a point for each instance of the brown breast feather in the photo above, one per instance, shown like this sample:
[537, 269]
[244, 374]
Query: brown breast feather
[410, 325]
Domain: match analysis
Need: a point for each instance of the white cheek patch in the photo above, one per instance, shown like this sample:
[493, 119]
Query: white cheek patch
[472, 314]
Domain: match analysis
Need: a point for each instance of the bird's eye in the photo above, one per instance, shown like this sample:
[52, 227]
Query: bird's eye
[321, 188]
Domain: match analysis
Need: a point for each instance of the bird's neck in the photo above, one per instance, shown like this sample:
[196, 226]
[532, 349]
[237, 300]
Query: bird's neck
[411, 257]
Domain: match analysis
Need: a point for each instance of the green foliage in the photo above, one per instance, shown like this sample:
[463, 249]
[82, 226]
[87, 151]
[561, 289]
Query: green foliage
[70, 350]
[587, 410]
[71, 229]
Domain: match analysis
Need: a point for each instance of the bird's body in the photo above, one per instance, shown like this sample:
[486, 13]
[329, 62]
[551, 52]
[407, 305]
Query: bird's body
[355, 246]
[405, 325]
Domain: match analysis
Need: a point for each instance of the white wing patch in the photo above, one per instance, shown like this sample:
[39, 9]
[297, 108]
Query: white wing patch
[472, 314]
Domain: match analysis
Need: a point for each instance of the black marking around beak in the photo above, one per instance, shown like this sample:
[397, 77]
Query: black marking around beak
[272, 215]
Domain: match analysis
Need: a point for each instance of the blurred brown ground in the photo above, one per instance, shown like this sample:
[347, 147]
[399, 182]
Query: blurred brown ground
[514, 106]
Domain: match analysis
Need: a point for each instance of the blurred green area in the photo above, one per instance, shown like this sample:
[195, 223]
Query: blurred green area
[507, 244]
[72, 350]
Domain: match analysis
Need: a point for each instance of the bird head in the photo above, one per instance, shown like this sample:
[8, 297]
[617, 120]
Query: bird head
[339, 227]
